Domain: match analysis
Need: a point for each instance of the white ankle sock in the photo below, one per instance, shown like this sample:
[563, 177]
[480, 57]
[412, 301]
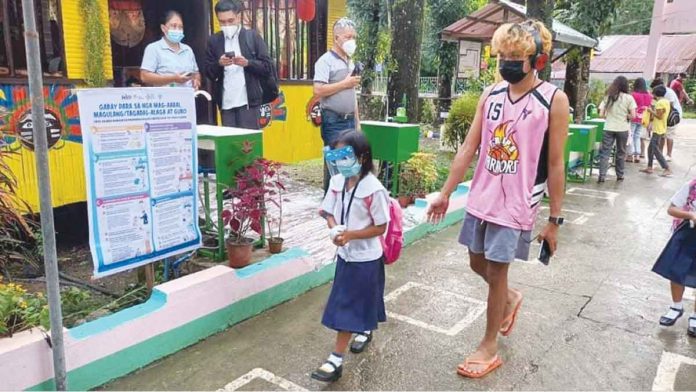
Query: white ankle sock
[335, 359]
[362, 338]
[678, 305]
[671, 313]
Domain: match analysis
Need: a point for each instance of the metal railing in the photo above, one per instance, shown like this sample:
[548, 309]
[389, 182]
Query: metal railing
[427, 86]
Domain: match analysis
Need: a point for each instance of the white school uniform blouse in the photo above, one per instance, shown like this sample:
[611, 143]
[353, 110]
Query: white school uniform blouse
[359, 251]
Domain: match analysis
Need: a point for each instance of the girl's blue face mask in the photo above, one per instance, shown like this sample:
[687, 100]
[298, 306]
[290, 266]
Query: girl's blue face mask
[342, 160]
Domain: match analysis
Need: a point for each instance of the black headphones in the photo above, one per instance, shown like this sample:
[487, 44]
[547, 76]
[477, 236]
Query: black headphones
[539, 58]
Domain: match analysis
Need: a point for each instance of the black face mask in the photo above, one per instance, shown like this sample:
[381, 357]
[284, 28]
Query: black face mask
[512, 71]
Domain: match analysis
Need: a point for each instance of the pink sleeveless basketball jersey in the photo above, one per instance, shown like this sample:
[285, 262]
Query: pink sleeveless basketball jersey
[510, 178]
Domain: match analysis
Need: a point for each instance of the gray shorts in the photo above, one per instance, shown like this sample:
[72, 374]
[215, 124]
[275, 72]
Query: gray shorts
[671, 132]
[497, 243]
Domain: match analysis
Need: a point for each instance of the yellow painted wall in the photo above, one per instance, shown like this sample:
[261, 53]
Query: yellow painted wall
[74, 31]
[295, 139]
[67, 175]
[337, 10]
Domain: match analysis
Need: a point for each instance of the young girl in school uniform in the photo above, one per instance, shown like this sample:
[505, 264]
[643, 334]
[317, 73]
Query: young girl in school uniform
[678, 260]
[356, 208]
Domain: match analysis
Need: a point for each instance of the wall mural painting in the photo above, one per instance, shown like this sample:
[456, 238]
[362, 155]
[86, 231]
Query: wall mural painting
[275, 110]
[61, 114]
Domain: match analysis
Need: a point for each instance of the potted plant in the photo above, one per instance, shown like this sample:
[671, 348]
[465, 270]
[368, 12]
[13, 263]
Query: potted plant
[245, 213]
[417, 178]
[274, 189]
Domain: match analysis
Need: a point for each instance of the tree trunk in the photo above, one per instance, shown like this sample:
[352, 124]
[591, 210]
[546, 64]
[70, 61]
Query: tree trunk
[448, 53]
[370, 36]
[577, 80]
[407, 35]
[542, 10]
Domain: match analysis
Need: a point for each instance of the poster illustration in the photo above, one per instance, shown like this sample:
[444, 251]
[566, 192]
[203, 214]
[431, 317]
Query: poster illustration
[140, 160]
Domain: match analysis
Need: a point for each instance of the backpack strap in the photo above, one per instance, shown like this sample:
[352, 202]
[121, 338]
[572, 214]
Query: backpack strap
[250, 42]
[368, 203]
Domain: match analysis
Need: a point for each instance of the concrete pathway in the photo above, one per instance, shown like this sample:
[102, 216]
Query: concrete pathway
[589, 320]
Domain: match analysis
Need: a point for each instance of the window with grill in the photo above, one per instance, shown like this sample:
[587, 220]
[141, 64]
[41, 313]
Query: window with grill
[13, 61]
[295, 45]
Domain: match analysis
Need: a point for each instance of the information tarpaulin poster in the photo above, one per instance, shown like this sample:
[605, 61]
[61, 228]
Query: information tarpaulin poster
[140, 161]
[469, 59]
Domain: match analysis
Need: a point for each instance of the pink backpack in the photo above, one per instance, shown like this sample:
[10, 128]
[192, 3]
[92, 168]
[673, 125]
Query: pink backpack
[393, 239]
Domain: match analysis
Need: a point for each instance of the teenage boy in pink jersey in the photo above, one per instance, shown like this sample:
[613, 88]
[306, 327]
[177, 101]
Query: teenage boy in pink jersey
[520, 129]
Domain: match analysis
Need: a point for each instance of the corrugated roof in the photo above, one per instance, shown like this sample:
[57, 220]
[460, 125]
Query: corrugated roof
[627, 53]
[481, 25]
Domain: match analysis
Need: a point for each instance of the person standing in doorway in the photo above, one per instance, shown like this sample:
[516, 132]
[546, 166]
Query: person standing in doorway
[520, 128]
[659, 111]
[169, 62]
[235, 68]
[618, 108]
[334, 84]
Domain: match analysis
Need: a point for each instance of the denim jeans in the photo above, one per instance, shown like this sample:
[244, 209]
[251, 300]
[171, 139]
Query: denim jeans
[605, 150]
[332, 125]
[636, 132]
[655, 152]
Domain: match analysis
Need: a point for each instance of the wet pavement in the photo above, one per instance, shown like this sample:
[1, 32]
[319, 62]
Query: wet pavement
[588, 322]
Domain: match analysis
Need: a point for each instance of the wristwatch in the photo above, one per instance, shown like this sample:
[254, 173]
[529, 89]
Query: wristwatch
[556, 220]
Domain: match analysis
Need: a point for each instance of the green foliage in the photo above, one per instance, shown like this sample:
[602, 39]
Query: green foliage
[418, 175]
[428, 112]
[485, 79]
[94, 43]
[20, 310]
[633, 17]
[16, 232]
[590, 17]
[461, 115]
[597, 91]
[439, 56]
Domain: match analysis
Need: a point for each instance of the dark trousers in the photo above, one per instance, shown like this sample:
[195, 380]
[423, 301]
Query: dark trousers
[610, 137]
[332, 125]
[242, 117]
[654, 151]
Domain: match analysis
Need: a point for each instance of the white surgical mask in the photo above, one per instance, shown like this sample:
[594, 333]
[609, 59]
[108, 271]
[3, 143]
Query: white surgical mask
[350, 47]
[230, 31]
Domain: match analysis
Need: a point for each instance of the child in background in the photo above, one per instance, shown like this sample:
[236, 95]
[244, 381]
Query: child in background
[678, 260]
[356, 208]
[659, 112]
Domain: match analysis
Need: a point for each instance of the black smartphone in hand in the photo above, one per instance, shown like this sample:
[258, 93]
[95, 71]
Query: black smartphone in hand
[358, 68]
[545, 253]
[230, 54]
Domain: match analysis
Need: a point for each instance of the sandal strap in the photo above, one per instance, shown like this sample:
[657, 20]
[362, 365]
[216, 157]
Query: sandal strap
[333, 365]
[677, 309]
[480, 361]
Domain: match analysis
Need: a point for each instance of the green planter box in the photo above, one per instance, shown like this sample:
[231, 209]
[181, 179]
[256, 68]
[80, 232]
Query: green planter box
[391, 142]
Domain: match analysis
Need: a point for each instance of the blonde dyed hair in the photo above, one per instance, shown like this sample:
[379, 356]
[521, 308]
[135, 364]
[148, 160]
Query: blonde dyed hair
[517, 39]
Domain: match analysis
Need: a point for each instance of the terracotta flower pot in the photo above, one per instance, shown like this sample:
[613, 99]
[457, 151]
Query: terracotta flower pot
[275, 245]
[405, 201]
[239, 252]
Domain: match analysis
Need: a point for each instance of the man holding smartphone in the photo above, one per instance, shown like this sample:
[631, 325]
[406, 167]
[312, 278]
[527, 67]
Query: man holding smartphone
[334, 83]
[236, 68]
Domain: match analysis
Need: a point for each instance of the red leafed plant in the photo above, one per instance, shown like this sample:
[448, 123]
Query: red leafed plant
[275, 188]
[249, 197]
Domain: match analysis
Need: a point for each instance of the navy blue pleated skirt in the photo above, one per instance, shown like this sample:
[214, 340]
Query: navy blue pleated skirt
[678, 260]
[356, 302]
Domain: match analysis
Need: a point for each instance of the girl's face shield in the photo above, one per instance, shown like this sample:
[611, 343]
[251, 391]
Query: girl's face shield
[340, 157]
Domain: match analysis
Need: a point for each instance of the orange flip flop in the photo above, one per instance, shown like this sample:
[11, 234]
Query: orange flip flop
[491, 365]
[512, 318]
